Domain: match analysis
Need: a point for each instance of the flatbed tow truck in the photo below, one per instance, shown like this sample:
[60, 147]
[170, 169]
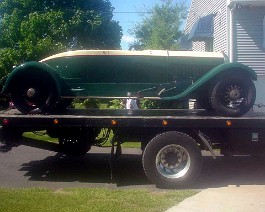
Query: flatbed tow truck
[171, 140]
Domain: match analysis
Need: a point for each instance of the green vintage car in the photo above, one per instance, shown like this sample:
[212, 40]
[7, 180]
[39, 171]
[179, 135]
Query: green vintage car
[50, 84]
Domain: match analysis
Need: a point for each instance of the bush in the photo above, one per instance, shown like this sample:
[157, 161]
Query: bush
[116, 104]
[91, 103]
[157, 104]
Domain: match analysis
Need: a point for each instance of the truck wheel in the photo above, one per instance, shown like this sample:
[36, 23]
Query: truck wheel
[172, 159]
[77, 142]
[233, 95]
[32, 92]
[74, 147]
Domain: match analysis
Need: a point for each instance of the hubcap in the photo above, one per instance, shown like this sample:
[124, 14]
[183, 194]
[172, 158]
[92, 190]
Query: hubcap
[233, 96]
[31, 92]
[173, 161]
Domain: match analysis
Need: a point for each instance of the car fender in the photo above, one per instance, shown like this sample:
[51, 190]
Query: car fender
[226, 68]
[38, 68]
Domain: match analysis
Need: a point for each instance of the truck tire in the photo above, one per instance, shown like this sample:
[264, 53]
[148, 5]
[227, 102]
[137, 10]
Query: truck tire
[76, 142]
[172, 160]
[233, 95]
[74, 147]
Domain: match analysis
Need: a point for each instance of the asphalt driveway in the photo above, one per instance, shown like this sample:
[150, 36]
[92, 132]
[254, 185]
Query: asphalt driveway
[25, 166]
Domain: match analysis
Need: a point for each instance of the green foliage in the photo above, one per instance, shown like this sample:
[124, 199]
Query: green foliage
[31, 30]
[91, 103]
[120, 104]
[148, 104]
[161, 28]
[115, 104]
[153, 104]
[97, 104]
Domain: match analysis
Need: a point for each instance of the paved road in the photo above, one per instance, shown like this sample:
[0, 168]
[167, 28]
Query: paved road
[25, 166]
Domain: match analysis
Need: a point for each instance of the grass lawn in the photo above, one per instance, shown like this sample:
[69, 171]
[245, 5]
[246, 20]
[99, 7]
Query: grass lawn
[86, 199]
[89, 199]
[40, 135]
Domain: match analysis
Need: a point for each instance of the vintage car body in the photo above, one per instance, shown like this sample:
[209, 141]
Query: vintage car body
[154, 74]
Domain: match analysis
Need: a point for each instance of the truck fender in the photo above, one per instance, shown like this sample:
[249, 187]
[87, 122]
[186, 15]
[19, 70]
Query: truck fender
[38, 68]
[212, 74]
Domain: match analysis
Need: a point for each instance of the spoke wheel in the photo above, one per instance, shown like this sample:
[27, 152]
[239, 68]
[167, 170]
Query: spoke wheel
[31, 93]
[233, 95]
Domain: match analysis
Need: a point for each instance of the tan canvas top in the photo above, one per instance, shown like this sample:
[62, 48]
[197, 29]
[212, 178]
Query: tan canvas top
[136, 53]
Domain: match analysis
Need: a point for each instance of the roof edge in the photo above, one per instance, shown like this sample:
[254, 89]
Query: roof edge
[246, 2]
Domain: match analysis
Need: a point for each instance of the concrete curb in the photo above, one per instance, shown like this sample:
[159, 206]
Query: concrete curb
[232, 198]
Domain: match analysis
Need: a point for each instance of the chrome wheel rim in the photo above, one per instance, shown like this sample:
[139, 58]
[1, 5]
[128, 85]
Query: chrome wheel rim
[173, 161]
[31, 92]
[234, 95]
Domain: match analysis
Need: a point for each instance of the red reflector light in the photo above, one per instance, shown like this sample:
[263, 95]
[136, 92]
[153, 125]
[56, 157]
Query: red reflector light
[5, 121]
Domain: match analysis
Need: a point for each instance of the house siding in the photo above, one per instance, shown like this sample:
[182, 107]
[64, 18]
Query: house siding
[247, 44]
[248, 37]
[205, 7]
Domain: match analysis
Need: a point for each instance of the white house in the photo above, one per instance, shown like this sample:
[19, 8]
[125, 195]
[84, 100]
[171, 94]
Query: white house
[236, 27]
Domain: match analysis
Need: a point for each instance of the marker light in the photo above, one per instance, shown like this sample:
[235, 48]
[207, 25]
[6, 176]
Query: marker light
[56, 121]
[165, 122]
[228, 123]
[113, 122]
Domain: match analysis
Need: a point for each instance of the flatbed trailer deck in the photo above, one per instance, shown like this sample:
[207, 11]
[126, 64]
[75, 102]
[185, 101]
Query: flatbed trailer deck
[134, 118]
[171, 140]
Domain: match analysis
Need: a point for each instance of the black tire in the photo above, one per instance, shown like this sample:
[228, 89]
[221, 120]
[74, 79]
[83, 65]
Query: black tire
[74, 147]
[77, 142]
[172, 160]
[32, 92]
[233, 95]
[4, 102]
[63, 105]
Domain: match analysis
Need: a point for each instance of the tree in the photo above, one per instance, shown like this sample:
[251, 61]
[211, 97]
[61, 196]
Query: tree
[31, 30]
[161, 28]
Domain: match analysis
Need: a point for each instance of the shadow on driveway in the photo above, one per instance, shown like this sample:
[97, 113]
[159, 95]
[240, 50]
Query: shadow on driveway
[128, 171]
[93, 168]
[27, 166]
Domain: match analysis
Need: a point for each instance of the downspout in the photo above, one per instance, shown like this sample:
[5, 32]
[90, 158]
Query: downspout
[230, 31]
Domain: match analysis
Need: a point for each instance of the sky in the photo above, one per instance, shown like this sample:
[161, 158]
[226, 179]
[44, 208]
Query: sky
[127, 12]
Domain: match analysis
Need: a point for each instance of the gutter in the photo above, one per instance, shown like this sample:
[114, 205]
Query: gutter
[231, 3]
